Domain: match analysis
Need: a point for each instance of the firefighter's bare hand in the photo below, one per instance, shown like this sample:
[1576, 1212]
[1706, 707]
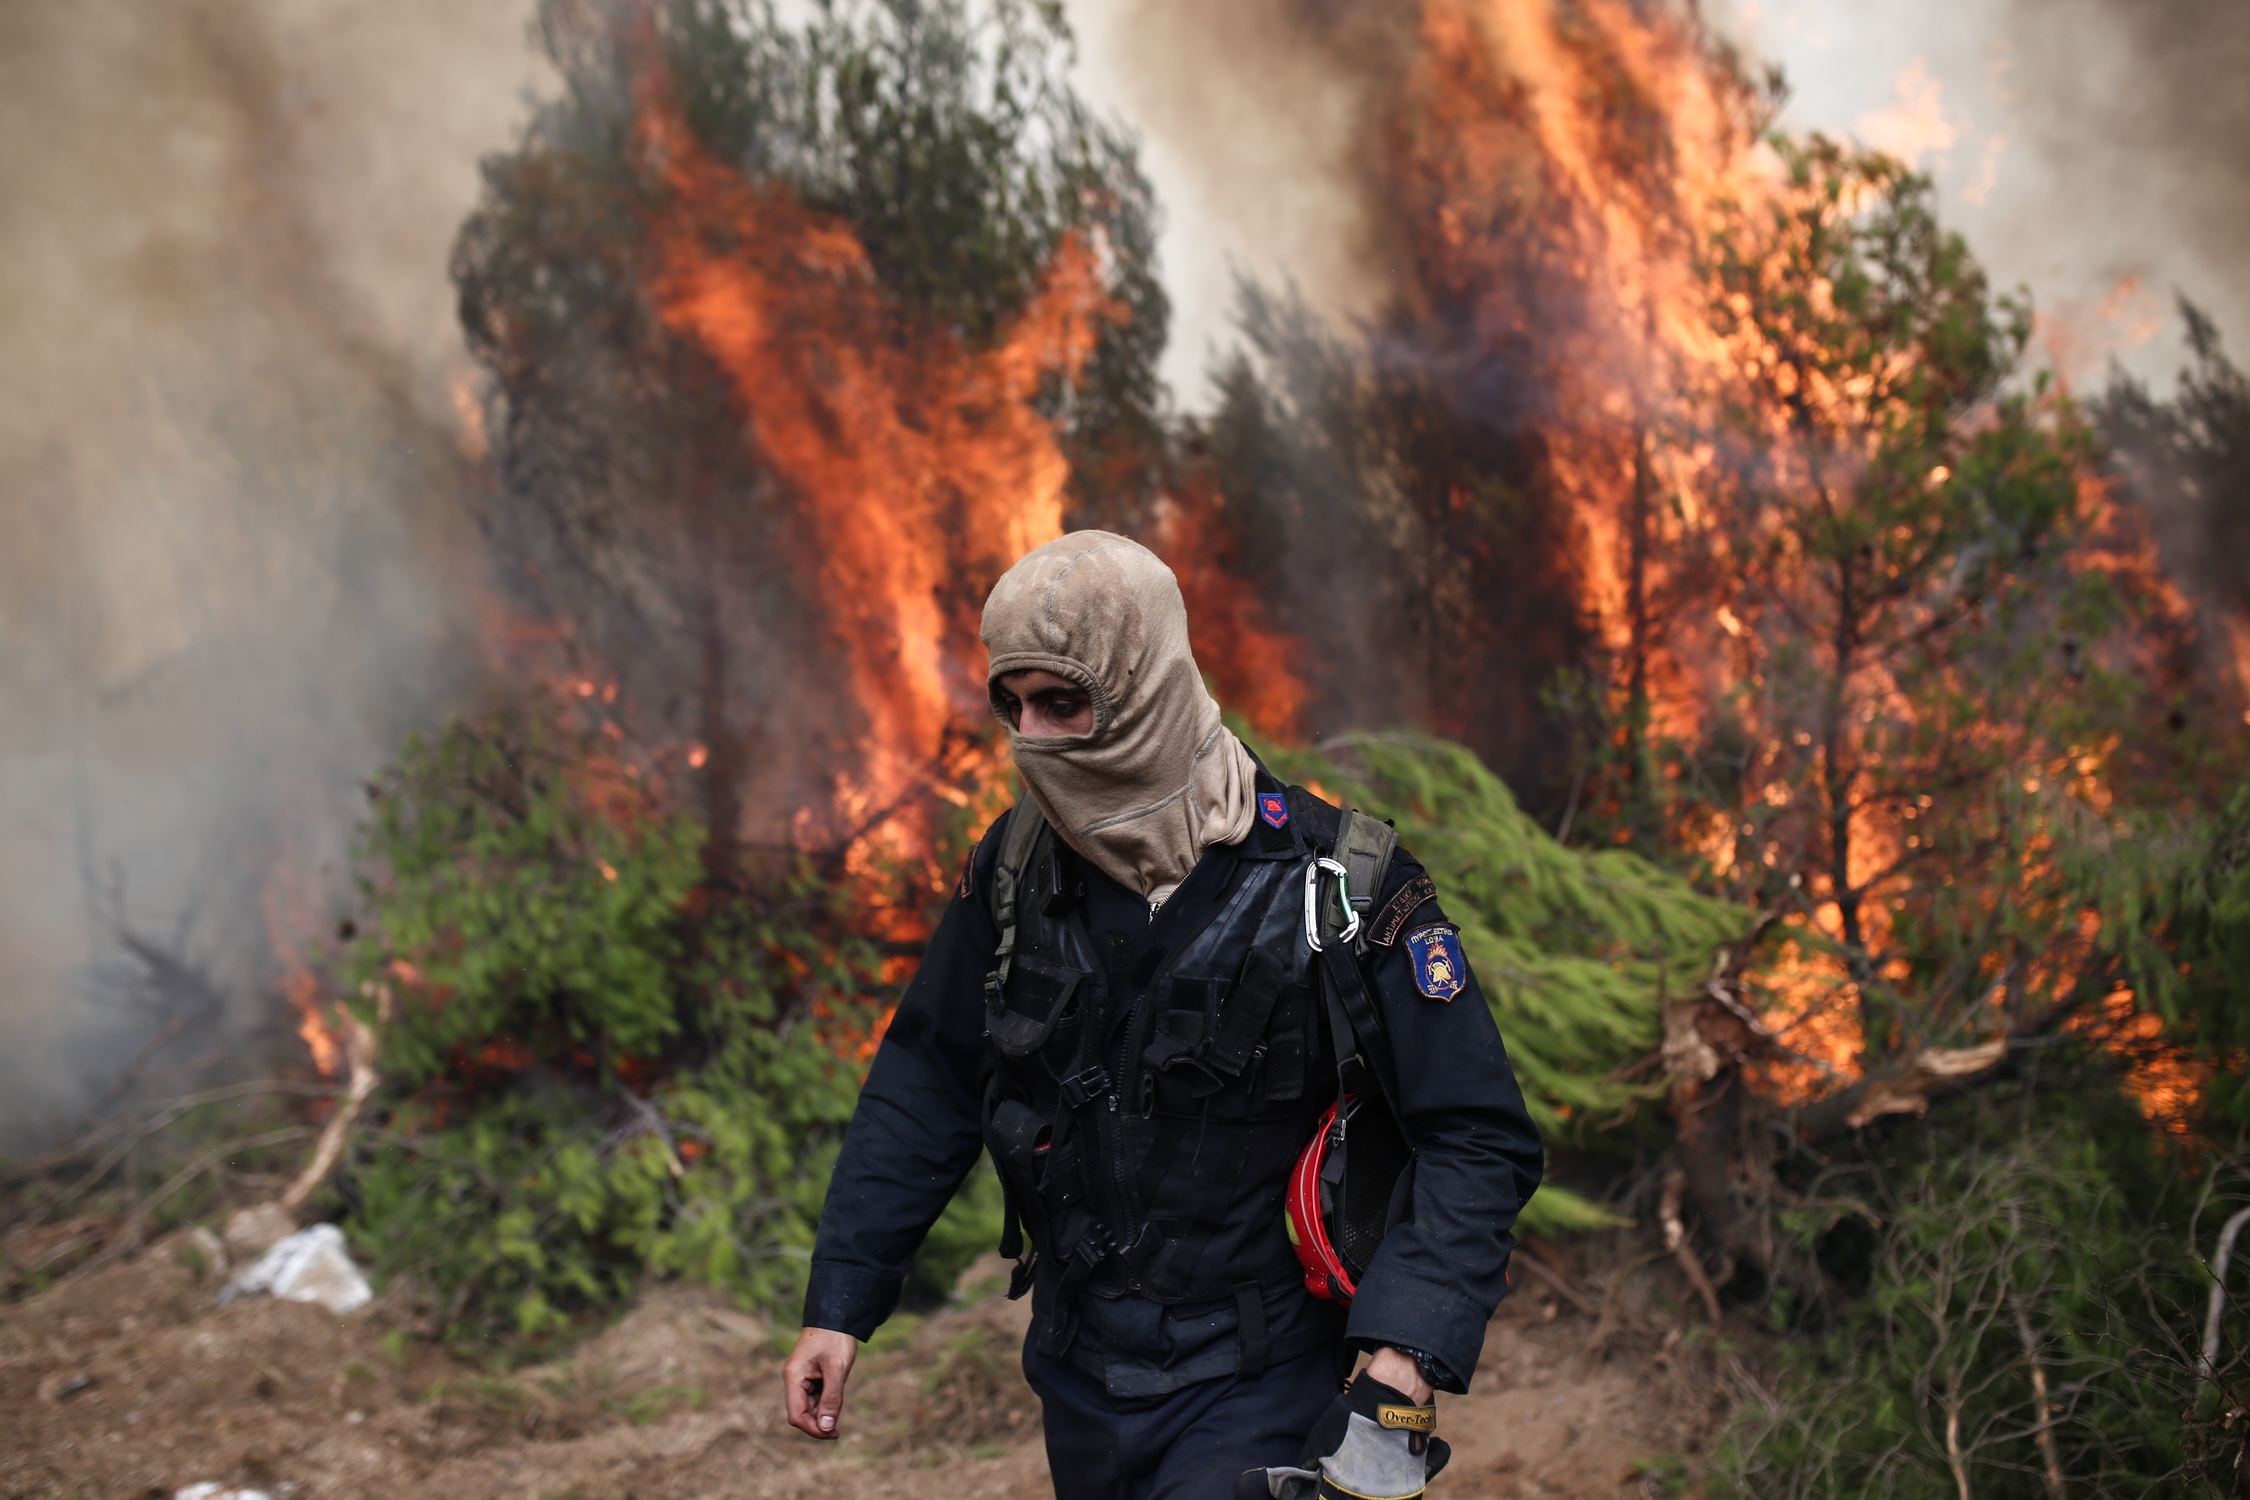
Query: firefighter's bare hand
[813, 1380]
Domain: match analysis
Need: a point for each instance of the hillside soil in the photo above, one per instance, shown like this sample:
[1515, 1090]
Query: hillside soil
[129, 1381]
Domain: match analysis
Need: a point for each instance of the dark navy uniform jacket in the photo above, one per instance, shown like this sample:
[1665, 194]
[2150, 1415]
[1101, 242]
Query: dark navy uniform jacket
[916, 1134]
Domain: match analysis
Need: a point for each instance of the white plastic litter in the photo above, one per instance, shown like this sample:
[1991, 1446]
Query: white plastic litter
[212, 1491]
[309, 1266]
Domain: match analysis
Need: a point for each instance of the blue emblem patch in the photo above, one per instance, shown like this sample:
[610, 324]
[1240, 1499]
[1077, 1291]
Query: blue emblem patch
[1274, 808]
[1439, 969]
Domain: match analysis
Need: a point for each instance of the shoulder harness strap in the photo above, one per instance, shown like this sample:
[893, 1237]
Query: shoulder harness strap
[1016, 840]
[1364, 845]
[1024, 826]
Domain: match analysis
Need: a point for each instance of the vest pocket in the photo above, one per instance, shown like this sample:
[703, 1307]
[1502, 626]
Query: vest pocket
[1036, 1005]
[1280, 1078]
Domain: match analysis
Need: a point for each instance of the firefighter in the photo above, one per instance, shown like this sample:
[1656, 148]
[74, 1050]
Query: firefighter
[1122, 1005]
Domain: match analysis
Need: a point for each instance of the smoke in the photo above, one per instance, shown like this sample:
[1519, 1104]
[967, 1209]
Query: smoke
[2134, 111]
[1259, 132]
[2097, 151]
[230, 570]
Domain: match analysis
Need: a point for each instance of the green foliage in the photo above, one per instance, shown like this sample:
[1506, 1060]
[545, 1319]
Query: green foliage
[524, 912]
[1577, 951]
[2174, 900]
[2057, 1250]
[597, 1065]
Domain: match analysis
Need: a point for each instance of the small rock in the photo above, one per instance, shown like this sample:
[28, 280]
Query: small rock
[309, 1266]
[212, 1490]
[63, 1386]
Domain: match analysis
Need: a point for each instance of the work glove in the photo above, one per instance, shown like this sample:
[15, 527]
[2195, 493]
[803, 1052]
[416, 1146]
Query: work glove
[1371, 1444]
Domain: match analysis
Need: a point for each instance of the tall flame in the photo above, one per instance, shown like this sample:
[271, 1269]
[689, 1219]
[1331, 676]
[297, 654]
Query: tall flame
[1558, 175]
[920, 464]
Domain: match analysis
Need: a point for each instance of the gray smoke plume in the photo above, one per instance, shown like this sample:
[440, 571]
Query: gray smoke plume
[232, 549]
[2137, 120]
[1258, 129]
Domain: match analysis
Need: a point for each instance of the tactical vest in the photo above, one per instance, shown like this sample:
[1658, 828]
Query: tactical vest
[1147, 1147]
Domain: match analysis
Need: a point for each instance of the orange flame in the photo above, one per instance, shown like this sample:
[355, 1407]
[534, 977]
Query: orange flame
[921, 465]
[290, 928]
[1253, 665]
[1556, 173]
[1534, 195]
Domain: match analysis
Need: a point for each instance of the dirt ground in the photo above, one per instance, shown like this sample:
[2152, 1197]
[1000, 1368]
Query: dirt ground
[129, 1382]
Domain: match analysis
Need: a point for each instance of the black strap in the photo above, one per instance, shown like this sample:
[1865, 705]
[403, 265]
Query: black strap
[1024, 826]
[1084, 1086]
[1060, 1326]
[1250, 1304]
[1011, 1227]
[1347, 988]
[1364, 846]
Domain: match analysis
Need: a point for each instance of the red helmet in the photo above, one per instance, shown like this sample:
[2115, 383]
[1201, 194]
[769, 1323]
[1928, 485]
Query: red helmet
[1311, 1207]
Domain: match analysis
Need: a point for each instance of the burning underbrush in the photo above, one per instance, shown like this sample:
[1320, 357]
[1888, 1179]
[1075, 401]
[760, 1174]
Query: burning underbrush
[597, 1061]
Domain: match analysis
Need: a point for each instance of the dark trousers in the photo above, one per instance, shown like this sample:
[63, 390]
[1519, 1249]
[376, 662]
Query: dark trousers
[1190, 1445]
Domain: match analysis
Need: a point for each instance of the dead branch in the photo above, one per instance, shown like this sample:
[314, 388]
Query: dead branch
[1903, 1088]
[649, 1120]
[1908, 1092]
[2042, 1408]
[1613, 1306]
[1676, 1243]
[128, 1236]
[127, 1134]
[1955, 1459]
[2212, 1319]
[264, 1224]
[362, 1047]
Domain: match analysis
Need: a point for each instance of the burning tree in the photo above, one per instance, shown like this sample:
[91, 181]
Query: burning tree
[1927, 687]
[1694, 477]
[795, 338]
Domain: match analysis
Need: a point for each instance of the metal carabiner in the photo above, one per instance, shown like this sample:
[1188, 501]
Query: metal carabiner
[1312, 902]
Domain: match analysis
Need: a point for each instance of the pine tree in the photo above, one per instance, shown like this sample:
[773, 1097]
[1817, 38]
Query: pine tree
[1577, 951]
[914, 172]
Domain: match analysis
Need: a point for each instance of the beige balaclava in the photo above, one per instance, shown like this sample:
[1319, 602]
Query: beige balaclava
[1159, 779]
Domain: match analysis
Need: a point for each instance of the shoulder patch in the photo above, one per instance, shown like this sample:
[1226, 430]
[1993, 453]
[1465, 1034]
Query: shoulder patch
[1411, 898]
[1274, 808]
[1440, 971]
